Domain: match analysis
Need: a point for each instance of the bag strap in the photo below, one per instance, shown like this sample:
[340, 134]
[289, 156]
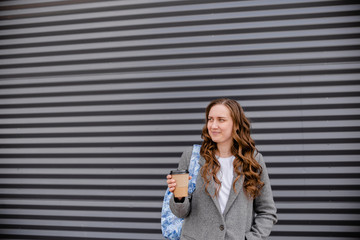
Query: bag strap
[194, 167]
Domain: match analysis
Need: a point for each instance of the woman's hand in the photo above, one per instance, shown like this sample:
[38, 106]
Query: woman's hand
[172, 183]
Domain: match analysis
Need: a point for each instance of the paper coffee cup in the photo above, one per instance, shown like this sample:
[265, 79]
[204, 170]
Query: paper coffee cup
[182, 182]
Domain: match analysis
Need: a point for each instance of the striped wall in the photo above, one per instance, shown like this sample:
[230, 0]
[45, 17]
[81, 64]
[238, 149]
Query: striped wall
[99, 98]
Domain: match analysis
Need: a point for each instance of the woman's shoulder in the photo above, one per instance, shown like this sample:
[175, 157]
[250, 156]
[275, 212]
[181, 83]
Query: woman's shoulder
[259, 157]
[185, 157]
[188, 150]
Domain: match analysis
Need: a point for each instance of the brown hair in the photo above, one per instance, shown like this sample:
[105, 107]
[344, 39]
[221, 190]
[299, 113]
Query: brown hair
[243, 149]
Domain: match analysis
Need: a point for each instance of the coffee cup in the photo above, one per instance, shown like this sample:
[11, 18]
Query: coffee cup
[182, 182]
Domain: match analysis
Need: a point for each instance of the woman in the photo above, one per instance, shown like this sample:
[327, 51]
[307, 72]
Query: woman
[233, 198]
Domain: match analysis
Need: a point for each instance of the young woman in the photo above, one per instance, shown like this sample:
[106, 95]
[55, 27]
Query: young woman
[233, 197]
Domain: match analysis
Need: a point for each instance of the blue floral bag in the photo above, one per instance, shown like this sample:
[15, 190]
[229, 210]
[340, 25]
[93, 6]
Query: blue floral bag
[170, 224]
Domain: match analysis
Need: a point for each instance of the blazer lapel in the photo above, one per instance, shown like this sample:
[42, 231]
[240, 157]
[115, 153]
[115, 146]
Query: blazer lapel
[233, 195]
[211, 188]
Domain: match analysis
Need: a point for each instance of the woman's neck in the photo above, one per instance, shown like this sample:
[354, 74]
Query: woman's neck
[223, 151]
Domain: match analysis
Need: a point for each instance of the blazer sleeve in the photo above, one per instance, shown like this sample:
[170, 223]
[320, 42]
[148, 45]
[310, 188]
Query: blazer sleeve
[182, 209]
[264, 208]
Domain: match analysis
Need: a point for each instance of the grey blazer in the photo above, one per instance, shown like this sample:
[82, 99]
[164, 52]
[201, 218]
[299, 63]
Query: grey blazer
[243, 218]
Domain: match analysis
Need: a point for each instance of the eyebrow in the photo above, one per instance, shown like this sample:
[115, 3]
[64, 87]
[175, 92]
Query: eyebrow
[217, 117]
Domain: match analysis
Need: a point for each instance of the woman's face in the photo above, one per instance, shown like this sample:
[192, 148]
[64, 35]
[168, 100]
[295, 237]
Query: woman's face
[220, 124]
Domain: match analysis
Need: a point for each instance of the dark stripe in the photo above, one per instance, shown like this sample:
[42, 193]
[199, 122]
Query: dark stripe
[79, 218]
[315, 176]
[340, 163]
[82, 197]
[163, 187]
[320, 222]
[312, 153]
[330, 234]
[80, 228]
[163, 176]
[317, 199]
[118, 134]
[318, 211]
[97, 166]
[81, 208]
[160, 198]
[315, 187]
[170, 144]
[51, 237]
[154, 209]
[172, 154]
[90, 155]
[303, 130]
[83, 187]
[86, 176]
[110, 123]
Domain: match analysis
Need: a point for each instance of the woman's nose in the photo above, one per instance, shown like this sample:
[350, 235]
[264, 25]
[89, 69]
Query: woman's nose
[214, 124]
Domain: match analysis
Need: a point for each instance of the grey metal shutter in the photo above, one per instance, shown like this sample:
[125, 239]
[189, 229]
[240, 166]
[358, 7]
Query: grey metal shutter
[99, 99]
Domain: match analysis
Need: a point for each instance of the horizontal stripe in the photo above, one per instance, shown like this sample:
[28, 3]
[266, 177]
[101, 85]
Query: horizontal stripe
[171, 165]
[172, 132]
[163, 144]
[162, 176]
[185, 100]
[153, 187]
[81, 228]
[177, 111]
[80, 208]
[171, 122]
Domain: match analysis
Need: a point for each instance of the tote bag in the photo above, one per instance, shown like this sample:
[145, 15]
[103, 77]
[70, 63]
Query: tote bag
[170, 224]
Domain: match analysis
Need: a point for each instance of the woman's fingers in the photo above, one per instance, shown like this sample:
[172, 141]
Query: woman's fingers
[171, 183]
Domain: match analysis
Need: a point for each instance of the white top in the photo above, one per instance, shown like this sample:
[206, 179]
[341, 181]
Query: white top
[225, 175]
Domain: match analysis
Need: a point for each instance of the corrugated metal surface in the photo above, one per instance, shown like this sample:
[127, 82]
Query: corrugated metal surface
[99, 99]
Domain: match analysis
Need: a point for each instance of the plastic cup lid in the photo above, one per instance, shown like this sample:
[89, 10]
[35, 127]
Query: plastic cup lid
[178, 172]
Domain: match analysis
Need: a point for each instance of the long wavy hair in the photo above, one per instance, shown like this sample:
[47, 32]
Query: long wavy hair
[243, 149]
